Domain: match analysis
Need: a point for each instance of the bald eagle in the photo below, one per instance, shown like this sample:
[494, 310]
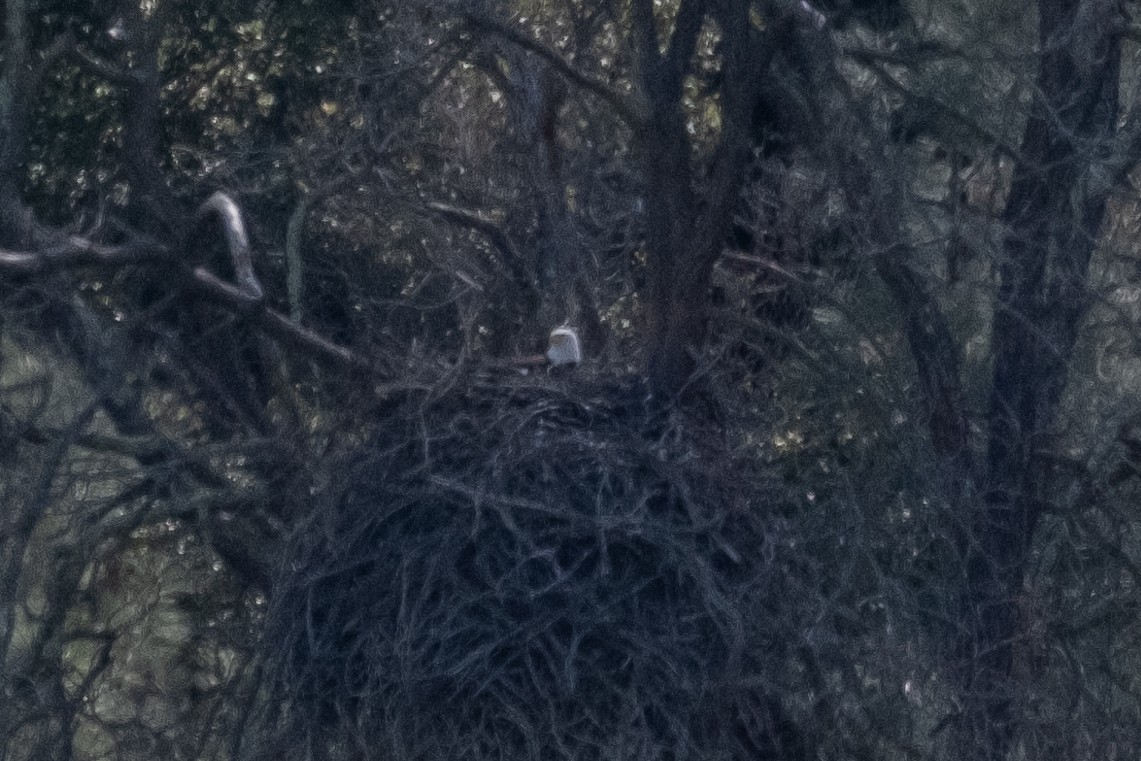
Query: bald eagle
[563, 350]
[563, 347]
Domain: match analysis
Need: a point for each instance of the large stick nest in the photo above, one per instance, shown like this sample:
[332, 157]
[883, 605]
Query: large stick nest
[519, 572]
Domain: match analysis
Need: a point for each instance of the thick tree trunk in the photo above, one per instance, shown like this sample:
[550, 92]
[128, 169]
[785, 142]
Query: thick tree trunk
[156, 208]
[1053, 221]
[674, 306]
[685, 228]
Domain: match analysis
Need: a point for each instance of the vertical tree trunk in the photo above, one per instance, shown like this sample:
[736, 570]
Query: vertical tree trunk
[1052, 229]
[156, 209]
[685, 229]
[674, 307]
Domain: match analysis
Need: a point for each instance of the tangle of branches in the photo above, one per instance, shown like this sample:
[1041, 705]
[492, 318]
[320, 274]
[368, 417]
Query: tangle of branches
[509, 571]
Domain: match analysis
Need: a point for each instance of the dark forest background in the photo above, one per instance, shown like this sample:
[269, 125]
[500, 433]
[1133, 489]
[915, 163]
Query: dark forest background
[849, 469]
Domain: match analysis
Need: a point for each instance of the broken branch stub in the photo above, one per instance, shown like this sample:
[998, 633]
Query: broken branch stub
[249, 287]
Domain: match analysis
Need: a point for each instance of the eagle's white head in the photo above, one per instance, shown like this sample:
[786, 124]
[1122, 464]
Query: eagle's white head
[563, 347]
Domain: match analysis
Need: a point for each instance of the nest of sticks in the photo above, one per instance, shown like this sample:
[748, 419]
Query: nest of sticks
[522, 571]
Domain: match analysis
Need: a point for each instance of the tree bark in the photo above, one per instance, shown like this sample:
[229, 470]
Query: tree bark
[685, 229]
[1053, 220]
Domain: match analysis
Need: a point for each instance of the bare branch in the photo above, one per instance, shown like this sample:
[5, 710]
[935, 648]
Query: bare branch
[625, 106]
[929, 335]
[77, 251]
[645, 37]
[142, 121]
[105, 69]
[294, 276]
[14, 94]
[493, 232]
[274, 323]
[684, 40]
[935, 354]
[238, 242]
[80, 252]
[305, 340]
[480, 223]
[871, 61]
[762, 262]
[138, 447]
[294, 229]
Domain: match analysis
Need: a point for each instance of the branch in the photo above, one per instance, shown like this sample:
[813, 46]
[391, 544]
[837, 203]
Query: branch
[143, 121]
[77, 251]
[623, 105]
[276, 324]
[105, 69]
[687, 28]
[493, 232]
[140, 448]
[869, 59]
[644, 36]
[935, 354]
[293, 270]
[247, 295]
[1125, 151]
[249, 287]
[479, 223]
[80, 252]
[762, 262]
[930, 340]
[746, 63]
[14, 90]
[294, 229]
